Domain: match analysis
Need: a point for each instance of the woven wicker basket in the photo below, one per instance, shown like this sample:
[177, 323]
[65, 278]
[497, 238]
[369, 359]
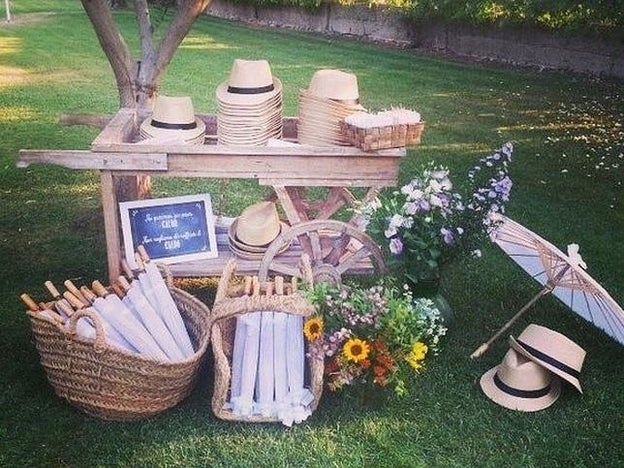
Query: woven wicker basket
[224, 311]
[115, 385]
[391, 136]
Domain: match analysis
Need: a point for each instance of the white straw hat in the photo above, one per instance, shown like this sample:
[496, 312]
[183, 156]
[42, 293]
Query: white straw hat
[335, 85]
[250, 83]
[249, 105]
[520, 384]
[174, 118]
[552, 350]
[331, 96]
[258, 224]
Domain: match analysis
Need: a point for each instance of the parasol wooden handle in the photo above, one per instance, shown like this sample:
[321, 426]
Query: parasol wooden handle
[50, 287]
[143, 253]
[30, 303]
[139, 262]
[65, 307]
[485, 346]
[76, 292]
[88, 294]
[118, 290]
[99, 289]
[73, 300]
[124, 283]
[126, 269]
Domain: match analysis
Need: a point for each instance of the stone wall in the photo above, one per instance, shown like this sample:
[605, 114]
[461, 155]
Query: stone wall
[518, 47]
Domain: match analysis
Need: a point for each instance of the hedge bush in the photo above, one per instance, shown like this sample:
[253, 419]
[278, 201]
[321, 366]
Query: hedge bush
[602, 17]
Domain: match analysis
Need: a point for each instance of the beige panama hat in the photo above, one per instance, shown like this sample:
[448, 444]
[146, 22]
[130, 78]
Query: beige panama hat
[250, 84]
[250, 235]
[258, 224]
[520, 384]
[552, 350]
[173, 118]
[336, 85]
[331, 96]
[249, 105]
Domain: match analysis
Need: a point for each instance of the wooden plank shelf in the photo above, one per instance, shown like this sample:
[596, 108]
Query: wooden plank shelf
[288, 168]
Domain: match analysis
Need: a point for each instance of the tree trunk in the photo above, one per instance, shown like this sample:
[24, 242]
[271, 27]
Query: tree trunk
[137, 80]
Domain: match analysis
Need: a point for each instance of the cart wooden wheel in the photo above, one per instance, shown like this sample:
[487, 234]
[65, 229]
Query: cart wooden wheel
[334, 248]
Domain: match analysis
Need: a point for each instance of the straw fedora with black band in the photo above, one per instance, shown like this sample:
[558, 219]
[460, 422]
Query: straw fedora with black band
[174, 117]
[520, 384]
[250, 84]
[551, 349]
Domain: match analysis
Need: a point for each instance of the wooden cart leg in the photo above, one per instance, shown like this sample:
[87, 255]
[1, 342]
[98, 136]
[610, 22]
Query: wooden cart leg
[111, 225]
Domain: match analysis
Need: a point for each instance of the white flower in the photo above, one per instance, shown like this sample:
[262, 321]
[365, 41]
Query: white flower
[434, 200]
[396, 221]
[390, 232]
[410, 208]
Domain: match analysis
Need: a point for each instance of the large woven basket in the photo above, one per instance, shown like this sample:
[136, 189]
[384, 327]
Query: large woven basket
[112, 384]
[225, 310]
[390, 136]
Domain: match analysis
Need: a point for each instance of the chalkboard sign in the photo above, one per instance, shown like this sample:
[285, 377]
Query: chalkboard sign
[172, 229]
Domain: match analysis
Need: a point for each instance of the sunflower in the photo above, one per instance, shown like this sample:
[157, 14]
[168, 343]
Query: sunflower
[313, 328]
[356, 350]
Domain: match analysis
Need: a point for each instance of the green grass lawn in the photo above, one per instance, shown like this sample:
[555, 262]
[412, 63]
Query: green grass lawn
[567, 172]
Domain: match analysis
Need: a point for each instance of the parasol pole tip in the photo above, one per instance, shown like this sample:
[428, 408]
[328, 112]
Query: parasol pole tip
[143, 253]
[480, 351]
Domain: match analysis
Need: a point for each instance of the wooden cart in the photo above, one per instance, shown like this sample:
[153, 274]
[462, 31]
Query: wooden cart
[335, 247]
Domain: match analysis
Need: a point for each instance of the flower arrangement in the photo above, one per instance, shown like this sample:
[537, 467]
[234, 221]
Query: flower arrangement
[374, 337]
[426, 222]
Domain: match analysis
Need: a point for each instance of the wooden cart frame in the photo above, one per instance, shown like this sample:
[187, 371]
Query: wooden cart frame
[335, 247]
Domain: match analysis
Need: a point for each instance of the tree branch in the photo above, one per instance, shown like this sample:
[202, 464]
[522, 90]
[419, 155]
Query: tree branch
[148, 55]
[114, 47]
[186, 14]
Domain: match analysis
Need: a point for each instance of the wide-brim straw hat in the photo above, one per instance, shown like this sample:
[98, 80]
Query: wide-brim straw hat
[258, 224]
[336, 85]
[552, 350]
[520, 384]
[173, 118]
[250, 83]
[251, 252]
[331, 96]
[249, 105]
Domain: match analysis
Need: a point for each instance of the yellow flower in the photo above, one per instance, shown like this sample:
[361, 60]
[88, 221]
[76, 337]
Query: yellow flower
[417, 355]
[419, 350]
[414, 363]
[356, 350]
[313, 328]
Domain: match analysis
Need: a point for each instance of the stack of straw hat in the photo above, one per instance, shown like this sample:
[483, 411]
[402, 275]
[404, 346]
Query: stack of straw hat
[250, 234]
[173, 121]
[331, 96]
[529, 378]
[249, 105]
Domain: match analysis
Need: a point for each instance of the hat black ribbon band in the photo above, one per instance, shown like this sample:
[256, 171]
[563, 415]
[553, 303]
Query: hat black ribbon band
[258, 90]
[173, 126]
[550, 360]
[520, 393]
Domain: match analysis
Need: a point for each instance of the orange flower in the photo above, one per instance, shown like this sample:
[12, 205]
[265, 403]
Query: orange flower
[379, 370]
